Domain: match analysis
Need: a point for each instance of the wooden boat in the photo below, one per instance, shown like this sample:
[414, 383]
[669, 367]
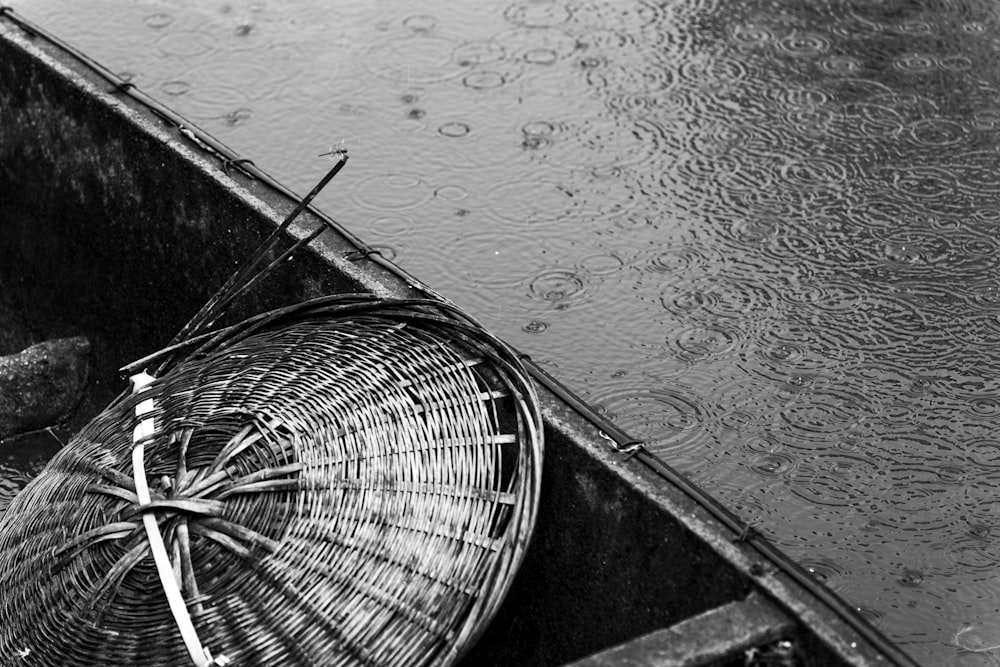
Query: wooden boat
[118, 219]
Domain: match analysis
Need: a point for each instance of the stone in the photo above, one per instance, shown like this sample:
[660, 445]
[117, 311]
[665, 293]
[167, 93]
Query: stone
[41, 385]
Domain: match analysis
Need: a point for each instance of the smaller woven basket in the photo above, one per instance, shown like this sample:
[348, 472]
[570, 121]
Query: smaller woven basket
[347, 481]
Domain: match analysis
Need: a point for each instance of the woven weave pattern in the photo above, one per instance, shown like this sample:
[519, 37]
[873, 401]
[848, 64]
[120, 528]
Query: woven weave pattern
[349, 481]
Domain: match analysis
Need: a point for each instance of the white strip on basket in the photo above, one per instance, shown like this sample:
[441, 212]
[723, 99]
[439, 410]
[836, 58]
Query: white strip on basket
[201, 656]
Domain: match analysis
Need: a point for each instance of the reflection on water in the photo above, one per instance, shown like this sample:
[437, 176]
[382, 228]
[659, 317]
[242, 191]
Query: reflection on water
[761, 235]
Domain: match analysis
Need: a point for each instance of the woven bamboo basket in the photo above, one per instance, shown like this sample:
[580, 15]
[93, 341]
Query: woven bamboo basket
[347, 481]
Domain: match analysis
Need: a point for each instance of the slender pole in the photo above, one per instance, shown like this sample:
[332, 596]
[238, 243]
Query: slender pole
[221, 298]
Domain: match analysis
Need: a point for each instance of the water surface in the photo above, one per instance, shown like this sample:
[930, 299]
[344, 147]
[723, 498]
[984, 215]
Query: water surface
[760, 235]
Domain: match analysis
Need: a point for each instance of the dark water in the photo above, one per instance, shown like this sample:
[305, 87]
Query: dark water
[760, 235]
